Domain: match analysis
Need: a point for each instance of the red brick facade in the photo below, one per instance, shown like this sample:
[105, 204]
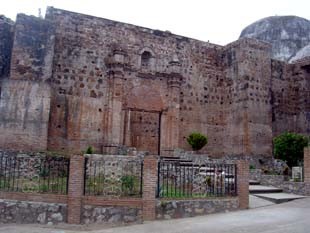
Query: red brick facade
[243, 183]
[149, 187]
[75, 191]
[307, 165]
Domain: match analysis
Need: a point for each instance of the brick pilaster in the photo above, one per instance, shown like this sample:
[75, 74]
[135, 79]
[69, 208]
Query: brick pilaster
[75, 191]
[149, 187]
[243, 183]
[307, 164]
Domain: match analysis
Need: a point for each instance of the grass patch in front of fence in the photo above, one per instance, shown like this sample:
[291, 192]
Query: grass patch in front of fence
[35, 185]
[172, 191]
[125, 186]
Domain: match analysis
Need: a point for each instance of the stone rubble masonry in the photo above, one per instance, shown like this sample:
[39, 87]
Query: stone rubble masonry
[307, 165]
[169, 209]
[111, 214]
[13, 211]
[150, 167]
[243, 183]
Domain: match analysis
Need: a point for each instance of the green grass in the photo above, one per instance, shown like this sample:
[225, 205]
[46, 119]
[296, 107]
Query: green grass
[35, 185]
[125, 186]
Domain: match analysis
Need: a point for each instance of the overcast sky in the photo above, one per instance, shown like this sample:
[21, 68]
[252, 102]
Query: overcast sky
[219, 21]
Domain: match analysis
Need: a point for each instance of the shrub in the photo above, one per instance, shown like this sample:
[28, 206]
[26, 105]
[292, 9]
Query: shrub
[251, 167]
[197, 140]
[89, 150]
[290, 147]
[128, 183]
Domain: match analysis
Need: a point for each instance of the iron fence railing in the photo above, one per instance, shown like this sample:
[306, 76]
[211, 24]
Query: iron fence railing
[34, 174]
[114, 178]
[177, 179]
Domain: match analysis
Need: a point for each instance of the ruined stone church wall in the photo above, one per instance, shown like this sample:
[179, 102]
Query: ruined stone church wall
[24, 115]
[249, 122]
[6, 41]
[82, 45]
[204, 99]
[25, 96]
[78, 81]
[291, 97]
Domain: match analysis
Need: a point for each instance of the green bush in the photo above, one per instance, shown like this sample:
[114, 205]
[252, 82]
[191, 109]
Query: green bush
[197, 140]
[290, 147]
[128, 183]
[89, 150]
[251, 167]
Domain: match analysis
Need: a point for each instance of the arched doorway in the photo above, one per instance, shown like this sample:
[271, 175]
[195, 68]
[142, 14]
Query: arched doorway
[142, 126]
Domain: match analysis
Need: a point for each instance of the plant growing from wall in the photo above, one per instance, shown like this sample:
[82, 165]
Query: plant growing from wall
[290, 147]
[197, 140]
[89, 150]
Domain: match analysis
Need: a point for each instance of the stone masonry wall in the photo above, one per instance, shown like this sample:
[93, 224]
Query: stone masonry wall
[290, 100]
[6, 41]
[169, 209]
[110, 214]
[24, 115]
[249, 123]
[33, 49]
[18, 212]
[80, 69]
[114, 84]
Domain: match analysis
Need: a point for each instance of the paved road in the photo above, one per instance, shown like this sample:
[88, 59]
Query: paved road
[292, 217]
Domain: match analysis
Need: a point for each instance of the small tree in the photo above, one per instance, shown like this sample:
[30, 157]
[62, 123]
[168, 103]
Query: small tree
[290, 147]
[197, 140]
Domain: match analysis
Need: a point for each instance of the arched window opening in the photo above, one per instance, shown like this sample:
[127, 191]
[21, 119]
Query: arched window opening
[145, 59]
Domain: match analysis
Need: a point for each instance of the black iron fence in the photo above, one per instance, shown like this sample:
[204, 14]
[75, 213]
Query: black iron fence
[178, 179]
[34, 174]
[114, 178]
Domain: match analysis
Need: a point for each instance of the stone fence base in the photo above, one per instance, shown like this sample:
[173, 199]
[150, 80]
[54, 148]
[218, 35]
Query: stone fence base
[169, 209]
[12, 211]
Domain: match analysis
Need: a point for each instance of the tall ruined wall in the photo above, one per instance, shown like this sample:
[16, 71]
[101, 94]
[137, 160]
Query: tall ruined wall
[83, 46]
[25, 96]
[249, 129]
[291, 97]
[6, 41]
[32, 53]
[204, 99]
[24, 115]
[78, 81]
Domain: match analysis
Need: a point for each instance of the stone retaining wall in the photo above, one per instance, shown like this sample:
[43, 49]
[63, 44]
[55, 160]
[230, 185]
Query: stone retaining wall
[111, 214]
[168, 209]
[32, 212]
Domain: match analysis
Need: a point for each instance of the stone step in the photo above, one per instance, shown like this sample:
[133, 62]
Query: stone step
[254, 182]
[263, 189]
[278, 198]
[256, 202]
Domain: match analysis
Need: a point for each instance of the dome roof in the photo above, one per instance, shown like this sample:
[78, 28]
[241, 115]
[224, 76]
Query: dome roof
[286, 34]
